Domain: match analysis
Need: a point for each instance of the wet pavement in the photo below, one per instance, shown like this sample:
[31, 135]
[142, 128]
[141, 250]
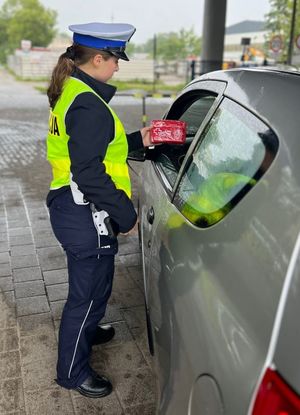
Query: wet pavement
[33, 277]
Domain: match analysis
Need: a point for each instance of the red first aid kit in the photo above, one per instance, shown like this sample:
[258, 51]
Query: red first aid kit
[168, 131]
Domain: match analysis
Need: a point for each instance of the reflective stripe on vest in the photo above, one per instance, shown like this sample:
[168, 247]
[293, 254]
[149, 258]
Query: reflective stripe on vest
[57, 141]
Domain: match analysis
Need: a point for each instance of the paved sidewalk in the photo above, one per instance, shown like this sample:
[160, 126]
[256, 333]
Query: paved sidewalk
[33, 283]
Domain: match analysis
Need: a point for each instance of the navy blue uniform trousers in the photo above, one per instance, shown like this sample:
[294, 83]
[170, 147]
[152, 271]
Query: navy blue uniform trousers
[91, 269]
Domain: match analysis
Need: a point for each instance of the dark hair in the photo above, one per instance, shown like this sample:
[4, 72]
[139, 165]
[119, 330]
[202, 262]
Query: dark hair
[75, 55]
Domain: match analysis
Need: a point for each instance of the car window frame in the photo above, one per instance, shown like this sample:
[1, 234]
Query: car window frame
[197, 143]
[205, 87]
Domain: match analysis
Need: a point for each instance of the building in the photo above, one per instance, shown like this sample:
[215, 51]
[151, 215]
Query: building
[37, 63]
[255, 33]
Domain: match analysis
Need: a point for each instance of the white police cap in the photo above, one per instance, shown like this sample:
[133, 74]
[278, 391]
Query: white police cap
[111, 37]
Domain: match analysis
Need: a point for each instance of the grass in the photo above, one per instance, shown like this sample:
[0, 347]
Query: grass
[136, 85]
[146, 86]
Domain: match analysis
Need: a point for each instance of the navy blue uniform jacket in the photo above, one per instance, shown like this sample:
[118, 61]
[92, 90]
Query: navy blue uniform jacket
[90, 125]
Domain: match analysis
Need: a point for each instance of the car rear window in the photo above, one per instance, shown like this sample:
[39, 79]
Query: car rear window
[234, 151]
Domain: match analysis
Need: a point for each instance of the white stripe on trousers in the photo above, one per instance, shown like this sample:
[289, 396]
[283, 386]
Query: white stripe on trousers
[78, 337]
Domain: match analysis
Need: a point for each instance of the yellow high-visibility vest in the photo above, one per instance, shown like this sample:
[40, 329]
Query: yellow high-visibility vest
[57, 141]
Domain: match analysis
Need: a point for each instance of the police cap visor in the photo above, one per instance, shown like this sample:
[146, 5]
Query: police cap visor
[118, 53]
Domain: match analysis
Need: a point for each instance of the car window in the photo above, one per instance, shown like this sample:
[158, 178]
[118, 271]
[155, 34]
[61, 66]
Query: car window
[192, 109]
[196, 113]
[234, 151]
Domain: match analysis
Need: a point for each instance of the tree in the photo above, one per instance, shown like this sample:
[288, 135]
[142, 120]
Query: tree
[173, 45]
[25, 19]
[278, 22]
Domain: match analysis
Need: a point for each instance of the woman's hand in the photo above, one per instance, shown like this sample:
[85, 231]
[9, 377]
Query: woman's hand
[146, 136]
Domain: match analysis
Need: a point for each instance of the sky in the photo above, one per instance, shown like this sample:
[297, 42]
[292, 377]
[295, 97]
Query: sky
[151, 16]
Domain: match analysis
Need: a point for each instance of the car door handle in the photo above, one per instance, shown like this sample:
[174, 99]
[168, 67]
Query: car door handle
[150, 215]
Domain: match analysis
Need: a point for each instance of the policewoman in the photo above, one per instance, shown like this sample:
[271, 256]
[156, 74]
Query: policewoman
[89, 199]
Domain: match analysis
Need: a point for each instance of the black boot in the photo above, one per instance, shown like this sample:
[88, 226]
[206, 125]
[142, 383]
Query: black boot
[95, 386]
[103, 334]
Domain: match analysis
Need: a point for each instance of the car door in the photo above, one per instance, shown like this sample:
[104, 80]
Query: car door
[200, 279]
[195, 106]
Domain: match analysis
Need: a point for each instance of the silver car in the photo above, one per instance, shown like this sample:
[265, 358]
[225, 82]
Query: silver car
[219, 228]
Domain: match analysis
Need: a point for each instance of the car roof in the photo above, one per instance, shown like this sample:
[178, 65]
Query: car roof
[272, 94]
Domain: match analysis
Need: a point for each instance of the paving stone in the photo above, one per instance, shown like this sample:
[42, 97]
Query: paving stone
[131, 259]
[136, 388]
[123, 357]
[8, 312]
[35, 324]
[24, 261]
[10, 365]
[51, 258]
[4, 258]
[129, 248]
[120, 269]
[46, 233]
[49, 402]
[38, 347]
[5, 270]
[20, 240]
[45, 242]
[22, 250]
[3, 228]
[135, 272]
[141, 338]
[32, 305]
[17, 223]
[29, 288]
[8, 318]
[9, 340]
[4, 246]
[11, 396]
[57, 292]
[33, 204]
[3, 237]
[134, 317]
[57, 324]
[9, 298]
[16, 212]
[112, 314]
[144, 409]
[57, 276]
[40, 374]
[123, 282]
[27, 274]
[6, 284]
[38, 211]
[41, 223]
[57, 308]
[21, 231]
[107, 405]
[127, 298]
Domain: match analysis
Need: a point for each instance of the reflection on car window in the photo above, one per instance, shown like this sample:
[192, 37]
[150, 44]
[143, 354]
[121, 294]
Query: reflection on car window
[196, 113]
[234, 152]
[192, 110]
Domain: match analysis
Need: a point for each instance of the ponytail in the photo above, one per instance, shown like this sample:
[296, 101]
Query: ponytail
[61, 72]
[74, 56]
